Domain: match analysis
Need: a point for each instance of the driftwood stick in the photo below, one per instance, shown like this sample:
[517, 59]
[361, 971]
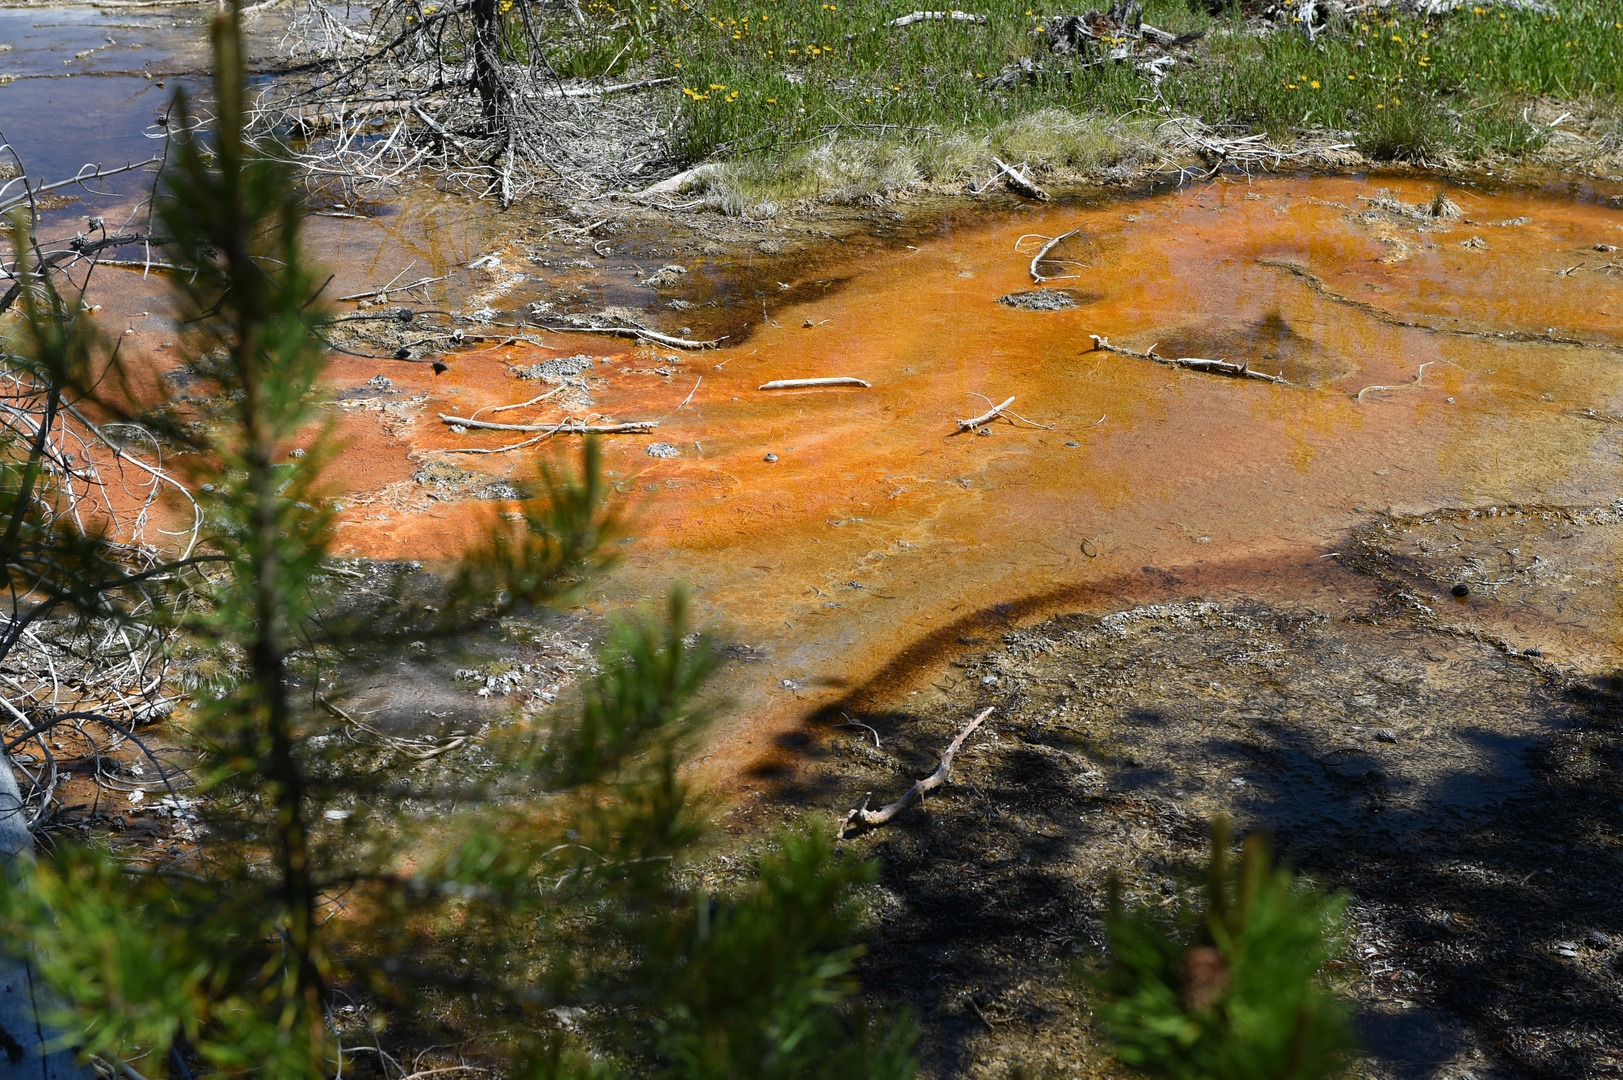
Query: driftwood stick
[861, 818]
[638, 332]
[1193, 363]
[795, 384]
[1019, 183]
[984, 418]
[1042, 253]
[567, 427]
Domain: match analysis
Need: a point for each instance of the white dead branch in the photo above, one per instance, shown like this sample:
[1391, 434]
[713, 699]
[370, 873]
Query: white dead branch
[567, 427]
[937, 16]
[860, 818]
[795, 384]
[984, 418]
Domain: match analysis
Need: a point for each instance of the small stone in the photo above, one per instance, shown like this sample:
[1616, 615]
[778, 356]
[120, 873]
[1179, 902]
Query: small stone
[1532, 652]
[1073, 445]
[770, 458]
[1168, 887]
[1596, 939]
[983, 431]
[1385, 735]
[662, 450]
[1461, 590]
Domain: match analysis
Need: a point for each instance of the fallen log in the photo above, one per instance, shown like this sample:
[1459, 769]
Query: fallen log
[565, 428]
[1193, 363]
[862, 818]
[794, 384]
[674, 184]
[984, 418]
[1019, 184]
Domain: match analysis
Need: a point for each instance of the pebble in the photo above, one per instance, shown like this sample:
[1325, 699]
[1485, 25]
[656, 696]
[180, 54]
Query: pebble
[1073, 445]
[770, 458]
[1462, 589]
[1385, 735]
[1598, 940]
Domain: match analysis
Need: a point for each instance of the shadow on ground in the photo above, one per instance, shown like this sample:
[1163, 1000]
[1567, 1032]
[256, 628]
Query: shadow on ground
[1464, 791]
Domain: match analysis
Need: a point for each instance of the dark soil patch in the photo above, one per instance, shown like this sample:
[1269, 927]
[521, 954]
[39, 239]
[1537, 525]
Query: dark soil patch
[1466, 793]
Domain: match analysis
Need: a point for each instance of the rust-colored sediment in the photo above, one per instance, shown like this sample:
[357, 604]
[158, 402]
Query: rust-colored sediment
[879, 536]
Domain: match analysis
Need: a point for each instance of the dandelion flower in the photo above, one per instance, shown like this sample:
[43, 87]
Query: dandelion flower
[1314, 84]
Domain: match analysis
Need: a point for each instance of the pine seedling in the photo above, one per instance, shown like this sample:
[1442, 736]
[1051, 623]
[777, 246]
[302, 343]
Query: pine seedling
[1233, 990]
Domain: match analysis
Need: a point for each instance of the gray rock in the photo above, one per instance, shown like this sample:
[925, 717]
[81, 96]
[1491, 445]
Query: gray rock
[1040, 300]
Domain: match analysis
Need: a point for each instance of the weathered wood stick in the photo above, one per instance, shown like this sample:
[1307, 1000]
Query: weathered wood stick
[600, 91]
[984, 418]
[567, 427]
[672, 184]
[936, 16]
[1193, 363]
[793, 384]
[637, 331]
[1042, 253]
[384, 292]
[862, 818]
[1020, 184]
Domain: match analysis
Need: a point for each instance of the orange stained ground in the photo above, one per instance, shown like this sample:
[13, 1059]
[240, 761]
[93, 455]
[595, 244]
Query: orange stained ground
[880, 533]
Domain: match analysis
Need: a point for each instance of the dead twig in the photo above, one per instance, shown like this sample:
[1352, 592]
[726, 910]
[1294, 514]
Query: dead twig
[1359, 397]
[638, 332]
[859, 724]
[984, 418]
[520, 405]
[1193, 363]
[861, 818]
[568, 427]
[1042, 253]
[387, 289]
[795, 384]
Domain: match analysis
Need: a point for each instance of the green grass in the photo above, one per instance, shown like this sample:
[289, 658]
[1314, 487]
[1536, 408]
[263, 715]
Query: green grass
[768, 77]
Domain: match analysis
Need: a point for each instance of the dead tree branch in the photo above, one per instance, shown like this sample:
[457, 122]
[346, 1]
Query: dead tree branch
[1193, 363]
[860, 818]
[984, 418]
